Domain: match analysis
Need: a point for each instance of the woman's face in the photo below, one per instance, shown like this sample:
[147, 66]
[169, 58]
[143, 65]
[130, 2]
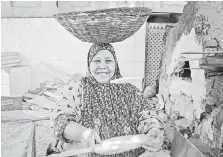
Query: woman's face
[102, 66]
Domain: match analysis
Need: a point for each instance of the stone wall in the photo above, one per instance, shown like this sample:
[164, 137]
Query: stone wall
[198, 99]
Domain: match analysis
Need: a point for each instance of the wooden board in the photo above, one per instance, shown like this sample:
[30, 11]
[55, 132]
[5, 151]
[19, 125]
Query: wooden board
[36, 92]
[9, 57]
[5, 66]
[29, 96]
[11, 61]
[216, 52]
[214, 59]
[4, 54]
[214, 67]
[43, 102]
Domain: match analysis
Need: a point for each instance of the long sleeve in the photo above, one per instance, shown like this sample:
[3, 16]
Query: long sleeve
[148, 118]
[68, 109]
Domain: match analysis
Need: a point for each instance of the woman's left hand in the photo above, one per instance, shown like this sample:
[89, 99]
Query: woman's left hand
[154, 140]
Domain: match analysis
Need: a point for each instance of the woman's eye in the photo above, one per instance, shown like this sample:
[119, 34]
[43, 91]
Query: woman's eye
[96, 61]
[108, 61]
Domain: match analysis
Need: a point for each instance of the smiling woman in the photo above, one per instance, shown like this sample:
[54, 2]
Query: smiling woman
[102, 111]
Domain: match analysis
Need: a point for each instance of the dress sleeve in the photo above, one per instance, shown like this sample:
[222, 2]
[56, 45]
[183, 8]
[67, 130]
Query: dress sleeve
[147, 115]
[68, 109]
[139, 103]
[150, 120]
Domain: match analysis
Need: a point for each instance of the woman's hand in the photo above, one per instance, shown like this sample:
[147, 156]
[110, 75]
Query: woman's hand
[149, 92]
[154, 140]
[90, 137]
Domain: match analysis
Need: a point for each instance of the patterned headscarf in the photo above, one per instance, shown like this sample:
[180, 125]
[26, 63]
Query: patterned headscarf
[94, 50]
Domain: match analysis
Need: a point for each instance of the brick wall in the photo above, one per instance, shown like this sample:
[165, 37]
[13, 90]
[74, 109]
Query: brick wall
[44, 39]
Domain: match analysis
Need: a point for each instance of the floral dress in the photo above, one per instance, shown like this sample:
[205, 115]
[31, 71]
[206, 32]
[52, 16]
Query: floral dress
[110, 109]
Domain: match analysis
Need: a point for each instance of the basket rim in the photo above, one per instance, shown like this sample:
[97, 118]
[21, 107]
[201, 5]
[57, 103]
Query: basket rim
[145, 11]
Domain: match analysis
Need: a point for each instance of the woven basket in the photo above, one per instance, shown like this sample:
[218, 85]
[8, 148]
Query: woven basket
[104, 26]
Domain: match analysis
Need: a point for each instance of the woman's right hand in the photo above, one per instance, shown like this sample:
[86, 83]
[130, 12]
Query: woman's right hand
[77, 132]
[90, 137]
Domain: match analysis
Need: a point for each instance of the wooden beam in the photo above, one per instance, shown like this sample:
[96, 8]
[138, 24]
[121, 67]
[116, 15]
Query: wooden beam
[214, 52]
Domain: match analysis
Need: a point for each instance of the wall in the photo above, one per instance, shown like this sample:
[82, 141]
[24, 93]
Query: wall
[5, 87]
[198, 99]
[184, 96]
[44, 39]
[192, 89]
[50, 8]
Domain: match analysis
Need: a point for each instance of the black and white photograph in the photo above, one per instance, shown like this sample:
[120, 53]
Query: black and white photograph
[112, 78]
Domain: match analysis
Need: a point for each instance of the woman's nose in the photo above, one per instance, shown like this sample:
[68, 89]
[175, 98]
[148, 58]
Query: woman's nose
[102, 65]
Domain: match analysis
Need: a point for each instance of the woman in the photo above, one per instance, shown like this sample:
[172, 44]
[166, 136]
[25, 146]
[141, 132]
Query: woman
[103, 110]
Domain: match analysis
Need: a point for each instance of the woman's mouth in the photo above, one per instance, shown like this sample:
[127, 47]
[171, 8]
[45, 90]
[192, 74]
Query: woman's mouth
[102, 74]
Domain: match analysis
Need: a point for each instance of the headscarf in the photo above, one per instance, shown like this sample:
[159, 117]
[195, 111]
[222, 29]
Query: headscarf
[94, 50]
